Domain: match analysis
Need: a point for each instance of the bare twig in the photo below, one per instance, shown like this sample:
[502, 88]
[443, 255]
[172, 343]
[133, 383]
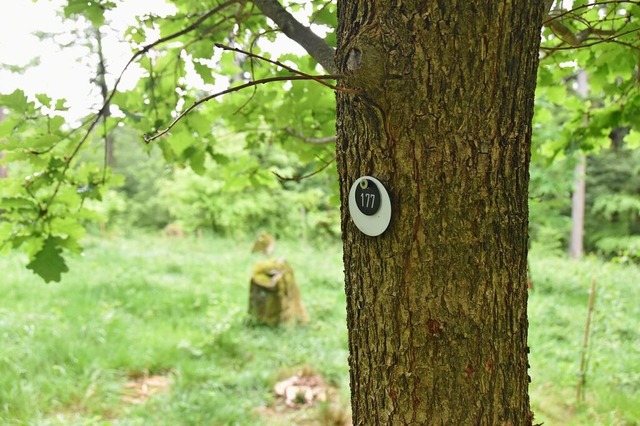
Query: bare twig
[277, 63]
[611, 39]
[582, 381]
[586, 6]
[316, 141]
[299, 178]
[252, 65]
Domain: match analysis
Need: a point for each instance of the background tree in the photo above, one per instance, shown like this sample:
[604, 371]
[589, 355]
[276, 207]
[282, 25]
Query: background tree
[3, 168]
[613, 203]
[579, 186]
[598, 39]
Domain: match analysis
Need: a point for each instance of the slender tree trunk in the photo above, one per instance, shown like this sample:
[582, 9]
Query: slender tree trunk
[576, 242]
[436, 305]
[3, 169]
[101, 81]
[577, 207]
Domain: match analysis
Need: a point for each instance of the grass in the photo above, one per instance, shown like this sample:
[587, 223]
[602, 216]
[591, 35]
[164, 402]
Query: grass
[157, 306]
[177, 307]
[557, 316]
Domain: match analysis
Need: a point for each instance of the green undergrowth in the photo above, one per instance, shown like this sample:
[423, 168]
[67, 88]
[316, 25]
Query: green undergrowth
[176, 308]
[558, 308]
[154, 306]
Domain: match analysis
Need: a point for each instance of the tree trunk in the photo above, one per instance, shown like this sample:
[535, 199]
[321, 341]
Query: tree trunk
[3, 169]
[101, 81]
[577, 207]
[436, 305]
[576, 242]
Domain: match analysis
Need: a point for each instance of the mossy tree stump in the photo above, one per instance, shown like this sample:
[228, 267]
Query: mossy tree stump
[265, 243]
[274, 297]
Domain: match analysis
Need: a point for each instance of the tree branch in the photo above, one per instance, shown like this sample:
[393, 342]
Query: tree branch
[599, 41]
[149, 139]
[314, 45]
[300, 178]
[562, 13]
[280, 64]
[94, 121]
[315, 141]
[548, 4]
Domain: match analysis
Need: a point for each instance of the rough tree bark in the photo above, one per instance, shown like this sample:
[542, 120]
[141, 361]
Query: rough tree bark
[436, 306]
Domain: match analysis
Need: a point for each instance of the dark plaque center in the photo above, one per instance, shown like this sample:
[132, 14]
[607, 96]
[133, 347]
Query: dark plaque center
[368, 197]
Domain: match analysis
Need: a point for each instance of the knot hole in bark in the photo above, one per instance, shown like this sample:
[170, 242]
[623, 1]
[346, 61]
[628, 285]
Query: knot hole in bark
[354, 57]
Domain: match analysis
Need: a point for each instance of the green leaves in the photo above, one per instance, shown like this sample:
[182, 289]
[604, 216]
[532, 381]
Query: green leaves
[93, 10]
[41, 201]
[48, 262]
[204, 71]
[17, 102]
[606, 49]
[633, 139]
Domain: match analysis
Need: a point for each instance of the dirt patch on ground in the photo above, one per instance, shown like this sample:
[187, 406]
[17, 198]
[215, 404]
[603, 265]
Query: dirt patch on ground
[306, 398]
[140, 388]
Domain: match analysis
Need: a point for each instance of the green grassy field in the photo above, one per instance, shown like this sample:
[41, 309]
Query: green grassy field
[88, 351]
[557, 315]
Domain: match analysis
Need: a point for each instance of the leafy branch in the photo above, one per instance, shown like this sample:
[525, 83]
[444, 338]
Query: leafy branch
[281, 65]
[195, 25]
[272, 9]
[51, 220]
[610, 26]
[46, 244]
[299, 75]
[599, 41]
[555, 16]
[199, 102]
